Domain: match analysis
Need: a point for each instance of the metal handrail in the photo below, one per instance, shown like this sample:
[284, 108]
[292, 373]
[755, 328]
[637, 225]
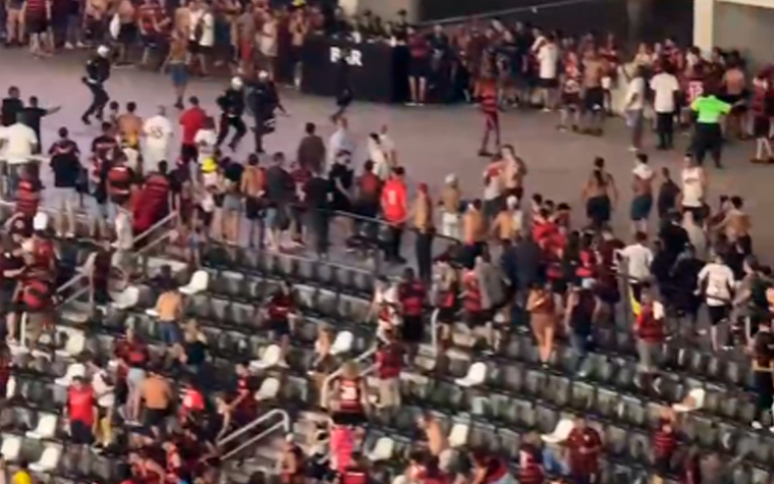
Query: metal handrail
[80, 276]
[170, 216]
[285, 422]
[328, 379]
[503, 13]
[434, 330]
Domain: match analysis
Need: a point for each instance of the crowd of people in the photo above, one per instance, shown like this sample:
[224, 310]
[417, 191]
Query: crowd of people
[511, 262]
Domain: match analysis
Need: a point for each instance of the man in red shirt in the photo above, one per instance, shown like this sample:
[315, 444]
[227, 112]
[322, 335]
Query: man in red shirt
[82, 411]
[394, 202]
[584, 446]
[192, 120]
[36, 18]
[389, 363]
[490, 109]
[153, 24]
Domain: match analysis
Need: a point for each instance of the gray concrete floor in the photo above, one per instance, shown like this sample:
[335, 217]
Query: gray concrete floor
[432, 141]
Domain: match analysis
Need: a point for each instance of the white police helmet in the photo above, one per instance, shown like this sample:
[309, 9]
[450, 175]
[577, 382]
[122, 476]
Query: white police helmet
[237, 83]
[103, 51]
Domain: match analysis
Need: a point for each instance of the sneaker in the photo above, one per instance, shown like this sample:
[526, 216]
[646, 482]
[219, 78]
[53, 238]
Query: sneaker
[547, 110]
[633, 149]
[757, 425]
[68, 46]
[80, 45]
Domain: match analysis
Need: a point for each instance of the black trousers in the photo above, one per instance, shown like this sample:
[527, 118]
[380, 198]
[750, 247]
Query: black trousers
[665, 128]
[707, 139]
[319, 225]
[99, 99]
[392, 251]
[424, 250]
[226, 123]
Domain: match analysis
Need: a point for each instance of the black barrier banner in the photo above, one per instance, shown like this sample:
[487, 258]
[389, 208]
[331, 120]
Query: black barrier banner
[373, 71]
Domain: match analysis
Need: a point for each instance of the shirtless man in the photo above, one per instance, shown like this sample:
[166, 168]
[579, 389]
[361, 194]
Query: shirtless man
[734, 84]
[593, 93]
[437, 443]
[127, 33]
[182, 23]
[130, 127]
[14, 26]
[253, 185]
[94, 14]
[642, 185]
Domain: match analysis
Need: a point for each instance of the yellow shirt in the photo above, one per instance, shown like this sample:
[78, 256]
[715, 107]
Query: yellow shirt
[22, 477]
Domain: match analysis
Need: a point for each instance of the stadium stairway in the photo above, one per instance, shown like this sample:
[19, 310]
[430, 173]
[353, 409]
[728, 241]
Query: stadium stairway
[482, 400]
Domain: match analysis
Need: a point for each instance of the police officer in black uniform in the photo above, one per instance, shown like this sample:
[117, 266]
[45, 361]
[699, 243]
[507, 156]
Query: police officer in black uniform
[232, 105]
[263, 101]
[97, 73]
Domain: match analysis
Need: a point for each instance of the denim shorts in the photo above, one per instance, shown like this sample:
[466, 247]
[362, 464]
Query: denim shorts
[170, 332]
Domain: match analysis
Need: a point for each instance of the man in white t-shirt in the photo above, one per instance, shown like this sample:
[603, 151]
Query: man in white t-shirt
[637, 259]
[635, 104]
[665, 86]
[18, 142]
[202, 36]
[717, 283]
[158, 132]
[548, 60]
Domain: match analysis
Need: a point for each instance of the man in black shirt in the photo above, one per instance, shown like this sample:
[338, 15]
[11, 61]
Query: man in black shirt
[97, 73]
[232, 105]
[762, 361]
[280, 189]
[66, 165]
[33, 114]
[12, 106]
[317, 198]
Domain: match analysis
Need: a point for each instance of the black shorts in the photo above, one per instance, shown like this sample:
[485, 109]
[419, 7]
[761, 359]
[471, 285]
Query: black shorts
[548, 83]
[419, 67]
[196, 48]
[189, 153]
[594, 99]
[80, 433]
[447, 315]
[155, 417]
[761, 126]
[764, 393]
[571, 100]
[476, 319]
[253, 208]
[127, 34]
[36, 24]
[717, 314]
[412, 330]
[280, 327]
[349, 418]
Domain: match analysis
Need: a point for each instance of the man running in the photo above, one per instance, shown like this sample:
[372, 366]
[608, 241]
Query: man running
[97, 73]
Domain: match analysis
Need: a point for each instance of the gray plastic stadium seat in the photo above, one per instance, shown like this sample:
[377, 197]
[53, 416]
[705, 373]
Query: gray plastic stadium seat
[557, 390]
[633, 411]
[582, 396]
[513, 377]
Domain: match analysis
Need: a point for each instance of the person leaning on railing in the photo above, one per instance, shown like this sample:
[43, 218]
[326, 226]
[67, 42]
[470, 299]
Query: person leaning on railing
[394, 205]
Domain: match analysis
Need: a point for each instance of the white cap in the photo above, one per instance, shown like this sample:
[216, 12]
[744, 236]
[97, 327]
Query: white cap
[236, 83]
[103, 50]
[40, 221]
[451, 178]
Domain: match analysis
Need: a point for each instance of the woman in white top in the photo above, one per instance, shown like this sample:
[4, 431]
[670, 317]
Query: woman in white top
[377, 154]
[694, 187]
